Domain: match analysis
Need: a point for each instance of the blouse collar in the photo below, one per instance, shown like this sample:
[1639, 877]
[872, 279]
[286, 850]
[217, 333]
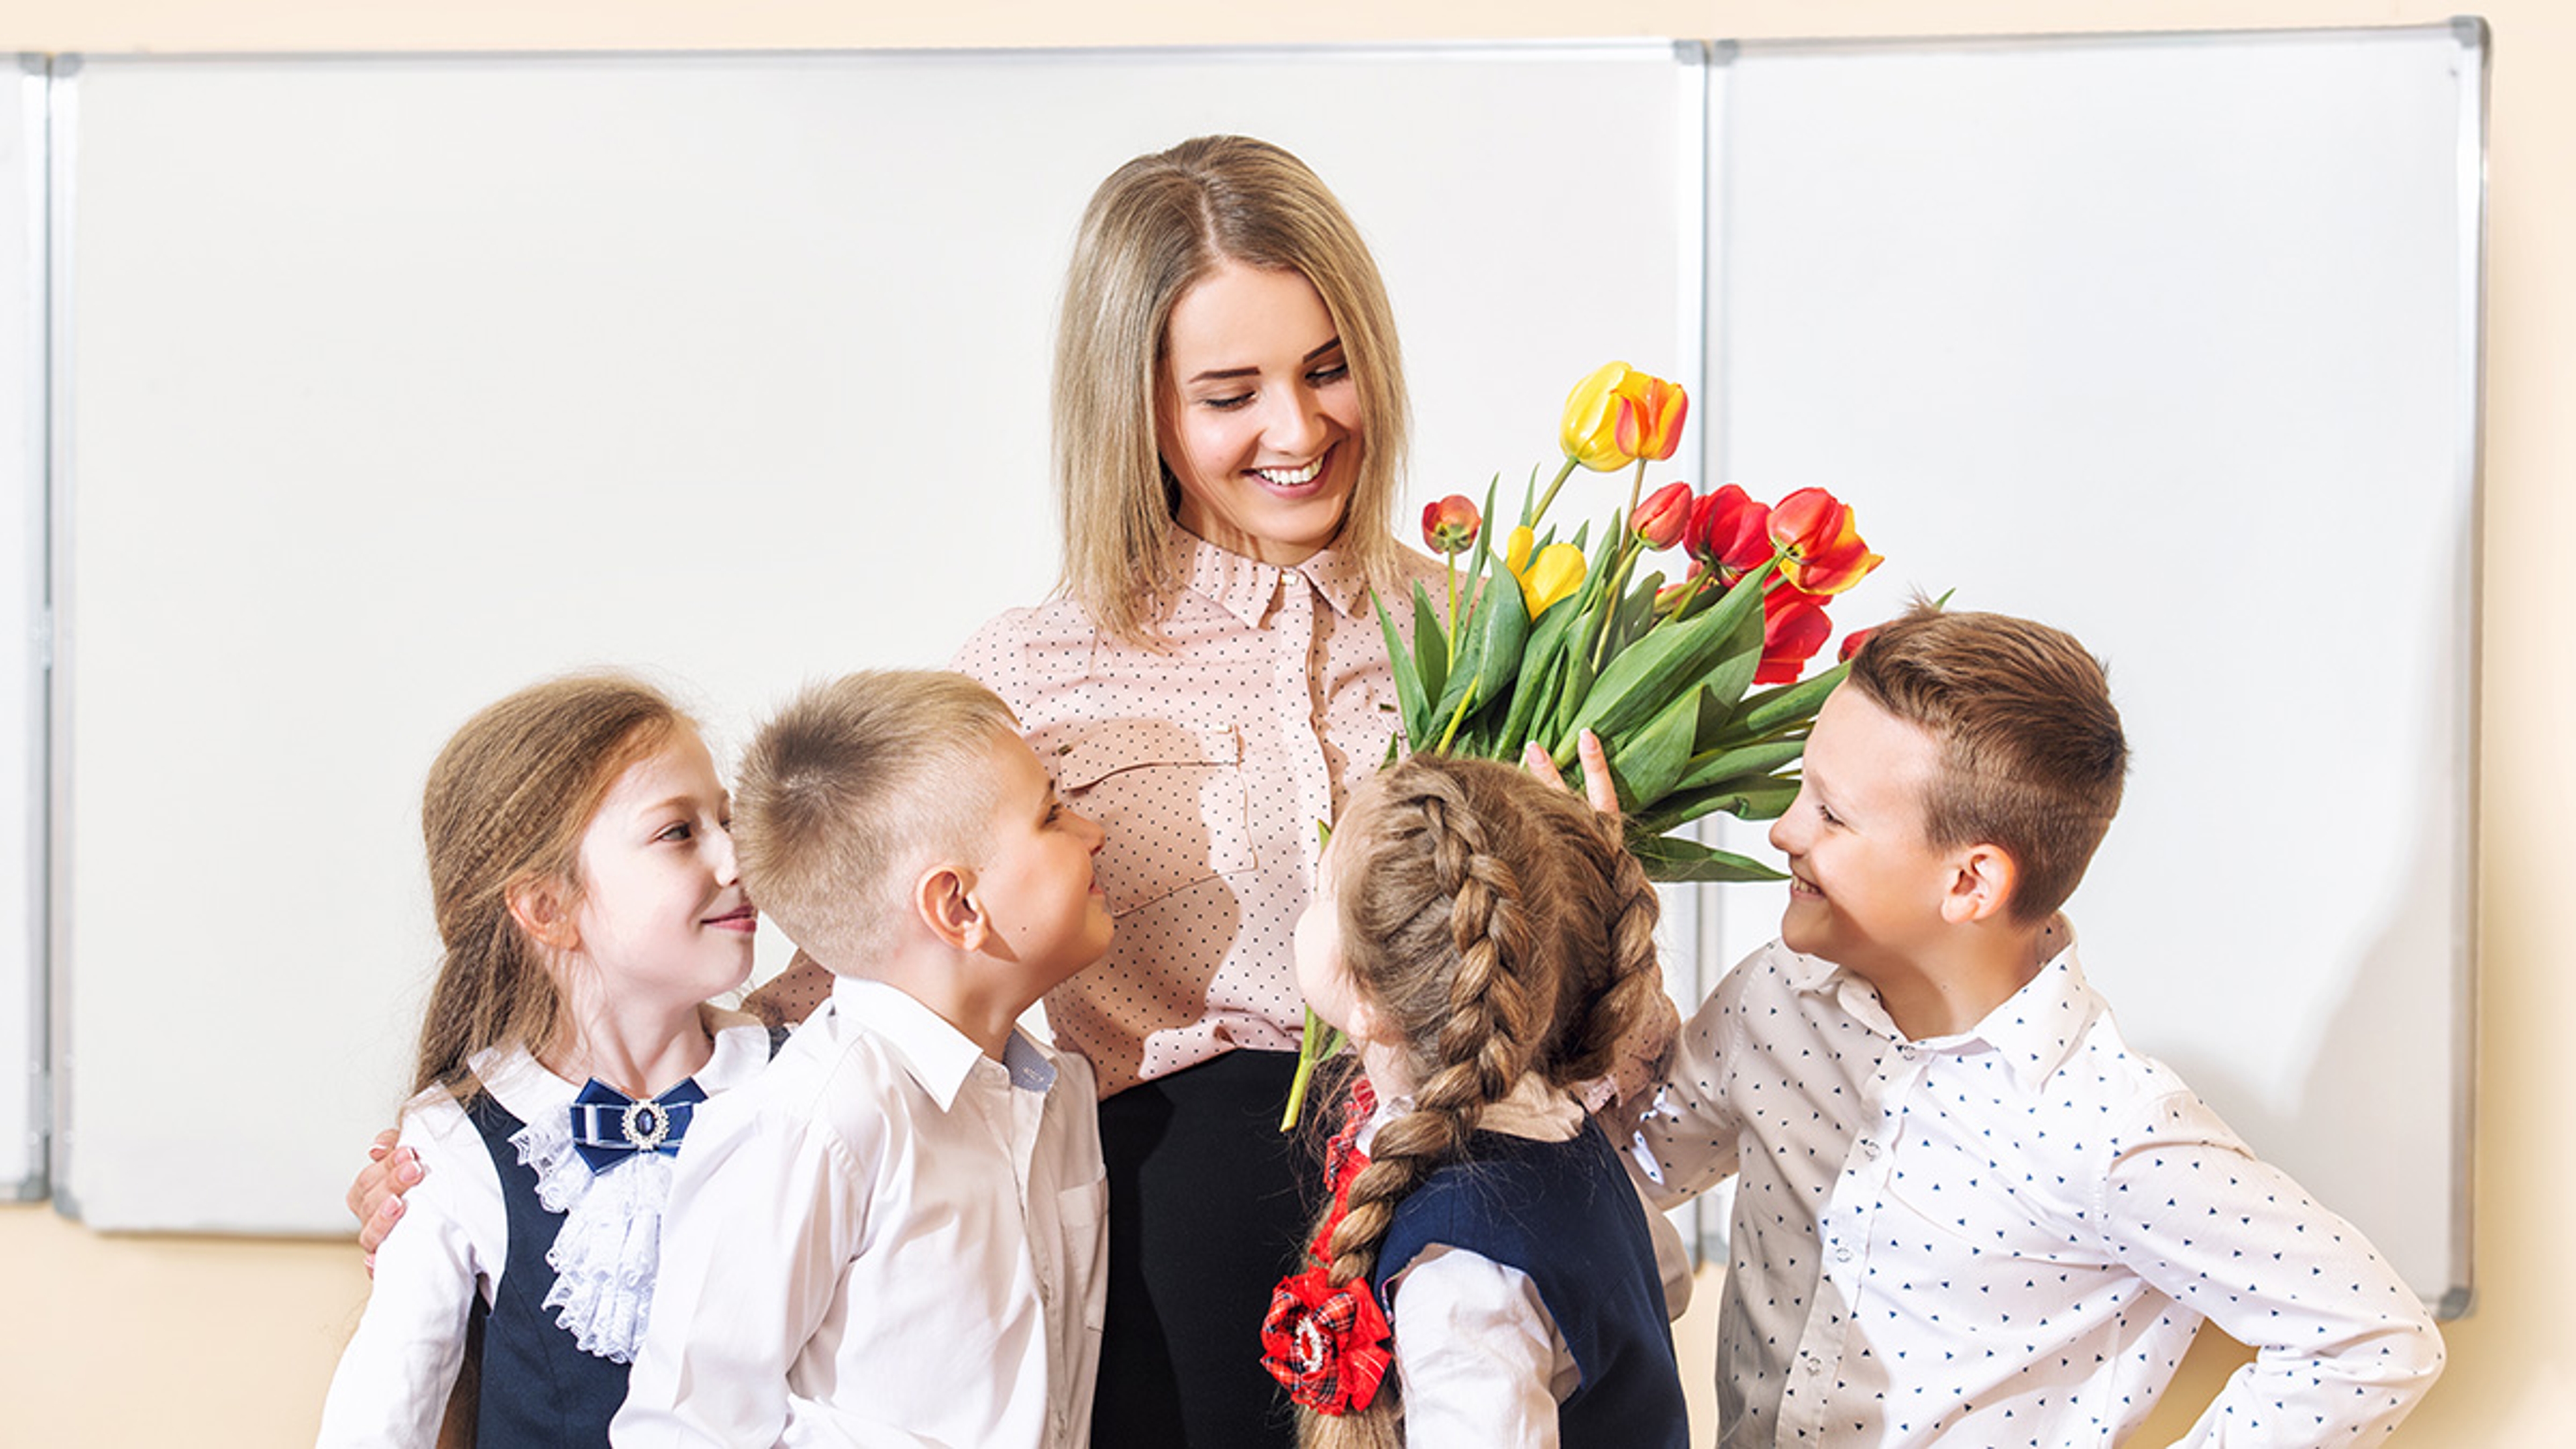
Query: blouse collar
[1248, 589]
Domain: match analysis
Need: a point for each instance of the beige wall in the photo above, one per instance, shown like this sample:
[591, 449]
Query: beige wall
[107, 1341]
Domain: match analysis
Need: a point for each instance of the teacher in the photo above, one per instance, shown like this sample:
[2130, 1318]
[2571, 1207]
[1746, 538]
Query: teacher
[1208, 683]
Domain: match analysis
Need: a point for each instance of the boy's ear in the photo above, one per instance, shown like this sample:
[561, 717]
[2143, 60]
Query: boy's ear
[543, 907]
[1982, 878]
[944, 898]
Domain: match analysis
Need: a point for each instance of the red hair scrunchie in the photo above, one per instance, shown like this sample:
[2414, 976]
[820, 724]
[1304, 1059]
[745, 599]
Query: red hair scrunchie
[1328, 1346]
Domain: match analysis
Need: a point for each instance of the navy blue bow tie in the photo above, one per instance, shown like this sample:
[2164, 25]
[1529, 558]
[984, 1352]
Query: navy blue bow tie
[608, 1126]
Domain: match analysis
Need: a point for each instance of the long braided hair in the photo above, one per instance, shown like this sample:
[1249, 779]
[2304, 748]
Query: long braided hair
[1497, 926]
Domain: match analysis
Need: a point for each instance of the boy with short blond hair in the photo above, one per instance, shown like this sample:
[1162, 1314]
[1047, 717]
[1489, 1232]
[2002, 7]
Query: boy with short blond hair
[1968, 1211]
[897, 1234]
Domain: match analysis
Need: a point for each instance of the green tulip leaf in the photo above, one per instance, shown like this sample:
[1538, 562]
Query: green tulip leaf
[1540, 677]
[1776, 709]
[1677, 858]
[1408, 680]
[1648, 763]
[1430, 642]
[1726, 767]
[1669, 660]
[1502, 636]
[1765, 799]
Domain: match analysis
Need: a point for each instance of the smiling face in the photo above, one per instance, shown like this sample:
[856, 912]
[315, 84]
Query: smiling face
[1257, 415]
[1036, 882]
[1866, 886]
[662, 914]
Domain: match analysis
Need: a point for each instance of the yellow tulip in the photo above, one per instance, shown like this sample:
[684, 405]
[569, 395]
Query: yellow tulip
[1551, 578]
[1590, 433]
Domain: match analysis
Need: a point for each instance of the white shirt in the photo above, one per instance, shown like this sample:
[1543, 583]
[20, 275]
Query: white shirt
[393, 1381]
[1477, 1354]
[889, 1239]
[2008, 1236]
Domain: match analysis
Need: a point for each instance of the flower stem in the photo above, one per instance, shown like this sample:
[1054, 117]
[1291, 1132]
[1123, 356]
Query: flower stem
[1453, 610]
[1549, 496]
[1466, 702]
[1309, 1056]
[1610, 601]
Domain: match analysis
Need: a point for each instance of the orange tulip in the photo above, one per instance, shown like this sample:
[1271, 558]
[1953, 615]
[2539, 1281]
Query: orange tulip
[1819, 541]
[1651, 413]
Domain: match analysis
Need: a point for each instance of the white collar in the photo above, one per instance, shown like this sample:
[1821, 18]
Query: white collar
[936, 1053]
[1532, 1109]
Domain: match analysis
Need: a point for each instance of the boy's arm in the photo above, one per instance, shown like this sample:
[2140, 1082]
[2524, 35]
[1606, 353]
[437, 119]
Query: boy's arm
[2344, 1347]
[764, 1214]
[1689, 1134]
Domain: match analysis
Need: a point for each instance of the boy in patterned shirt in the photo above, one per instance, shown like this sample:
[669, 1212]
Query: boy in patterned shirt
[1968, 1211]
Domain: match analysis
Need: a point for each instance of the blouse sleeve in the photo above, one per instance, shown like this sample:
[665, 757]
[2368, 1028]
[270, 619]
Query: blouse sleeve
[393, 1381]
[1481, 1363]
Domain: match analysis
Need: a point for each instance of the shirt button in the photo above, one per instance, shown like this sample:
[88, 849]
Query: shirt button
[1842, 1255]
[1907, 1051]
[1815, 1365]
[1868, 1148]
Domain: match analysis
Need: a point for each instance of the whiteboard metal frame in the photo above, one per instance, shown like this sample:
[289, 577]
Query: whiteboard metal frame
[2475, 42]
[62, 109]
[33, 92]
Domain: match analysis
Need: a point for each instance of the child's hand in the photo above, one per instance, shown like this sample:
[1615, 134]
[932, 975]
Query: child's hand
[1620, 1099]
[375, 1199]
[1598, 787]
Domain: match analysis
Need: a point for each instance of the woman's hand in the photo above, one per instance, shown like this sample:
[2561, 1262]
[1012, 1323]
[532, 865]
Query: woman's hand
[1597, 785]
[375, 1199]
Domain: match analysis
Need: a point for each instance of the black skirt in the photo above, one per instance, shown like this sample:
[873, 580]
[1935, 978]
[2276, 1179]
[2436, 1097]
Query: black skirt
[1209, 1205]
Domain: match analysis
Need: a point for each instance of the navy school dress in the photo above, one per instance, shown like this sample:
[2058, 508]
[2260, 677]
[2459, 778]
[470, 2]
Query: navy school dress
[1565, 1214]
[539, 1389]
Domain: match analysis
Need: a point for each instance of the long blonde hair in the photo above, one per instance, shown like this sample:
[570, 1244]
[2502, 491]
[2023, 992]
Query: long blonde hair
[1153, 230]
[1498, 926]
[506, 805]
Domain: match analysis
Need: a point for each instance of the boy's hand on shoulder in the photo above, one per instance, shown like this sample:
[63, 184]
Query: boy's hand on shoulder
[375, 1198]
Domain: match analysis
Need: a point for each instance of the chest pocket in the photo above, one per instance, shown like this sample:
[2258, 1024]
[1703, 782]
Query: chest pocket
[1173, 800]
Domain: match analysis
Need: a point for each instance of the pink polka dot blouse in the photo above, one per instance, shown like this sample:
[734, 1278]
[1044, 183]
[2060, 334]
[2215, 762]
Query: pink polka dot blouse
[1209, 762]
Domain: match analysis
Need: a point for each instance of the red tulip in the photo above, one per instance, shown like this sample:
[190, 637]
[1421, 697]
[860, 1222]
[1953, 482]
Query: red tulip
[1450, 525]
[1794, 627]
[1662, 518]
[1852, 642]
[1729, 534]
[1820, 544]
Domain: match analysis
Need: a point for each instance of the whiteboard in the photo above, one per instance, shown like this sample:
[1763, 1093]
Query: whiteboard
[2173, 342]
[22, 594]
[391, 384]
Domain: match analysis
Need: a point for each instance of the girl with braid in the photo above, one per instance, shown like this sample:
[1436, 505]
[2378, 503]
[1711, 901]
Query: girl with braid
[1484, 1273]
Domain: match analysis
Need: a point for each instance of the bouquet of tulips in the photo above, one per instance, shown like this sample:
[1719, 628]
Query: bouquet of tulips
[1693, 687]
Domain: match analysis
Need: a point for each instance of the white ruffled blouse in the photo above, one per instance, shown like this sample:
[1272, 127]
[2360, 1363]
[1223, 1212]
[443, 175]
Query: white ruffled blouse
[453, 1241]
